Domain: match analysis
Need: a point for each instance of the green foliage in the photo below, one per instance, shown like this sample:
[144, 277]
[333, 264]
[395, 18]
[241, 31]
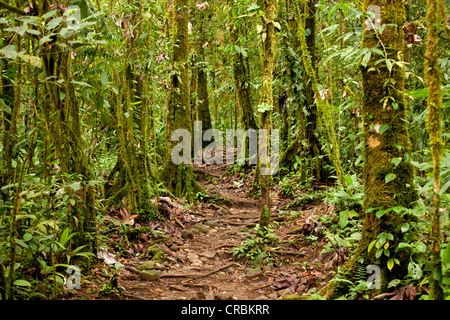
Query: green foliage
[350, 198]
[254, 249]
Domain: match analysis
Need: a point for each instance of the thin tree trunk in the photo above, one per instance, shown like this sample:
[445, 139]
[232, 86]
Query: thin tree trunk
[242, 81]
[432, 72]
[311, 116]
[267, 65]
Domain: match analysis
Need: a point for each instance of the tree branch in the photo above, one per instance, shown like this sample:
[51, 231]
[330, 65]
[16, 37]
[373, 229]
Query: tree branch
[4, 5]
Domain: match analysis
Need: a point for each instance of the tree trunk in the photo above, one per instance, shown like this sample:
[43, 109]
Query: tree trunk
[135, 174]
[323, 108]
[314, 147]
[267, 65]
[204, 114]
[242, 80]
[387, 184]
[179, 178]
[9, 121]
[432, 72]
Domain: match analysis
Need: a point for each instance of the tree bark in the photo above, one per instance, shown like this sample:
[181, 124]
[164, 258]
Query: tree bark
[267, 65]
[204, 114]
[242, 81]
[179, 178]
[314, 146]
[432, 73]
[386, 138]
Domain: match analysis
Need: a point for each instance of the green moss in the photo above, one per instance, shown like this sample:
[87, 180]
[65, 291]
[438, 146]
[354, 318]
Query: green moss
[156, 254]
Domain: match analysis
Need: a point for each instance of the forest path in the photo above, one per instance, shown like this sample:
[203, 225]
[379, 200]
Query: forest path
[200, 265]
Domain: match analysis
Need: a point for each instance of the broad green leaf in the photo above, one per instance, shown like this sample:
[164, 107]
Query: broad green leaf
[383, 128]
[378, 253]
[446, 256]
[353, 214]
[356, 236]
[65, 236]
[396, 161]
[47, 38]
[343, 219]
[9, 52]
[27, 237]
[32, 60]
[259, 28]
[365, 59]
[104, 78]
[390, 264]
[12, 29]
[437, 273]
[26, 216]
[369, 248]
[21, 243]
[421, 247]
[22, 29]
[22, 283]
[34, 31]
[389, 65]
[277, 25]
[378, 51]
[49, 14]
[405, 227]
[66, 32]
[54, 23]
[75, 186]
[414, 270]
[254, 6]
[389, 177]
[393, 283]
[445, 187]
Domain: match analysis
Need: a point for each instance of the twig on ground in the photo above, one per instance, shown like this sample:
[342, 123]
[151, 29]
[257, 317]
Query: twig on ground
[196, 275]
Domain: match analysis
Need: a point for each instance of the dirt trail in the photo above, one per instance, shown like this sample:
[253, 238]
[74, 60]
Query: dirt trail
[202, 267]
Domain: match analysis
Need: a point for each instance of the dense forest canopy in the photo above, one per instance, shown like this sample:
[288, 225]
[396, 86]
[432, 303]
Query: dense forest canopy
[341, 113]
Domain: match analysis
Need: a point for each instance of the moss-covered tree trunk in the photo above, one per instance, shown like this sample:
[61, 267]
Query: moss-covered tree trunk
[9, 119]
[242, 78]
[388, 175]
[203, 112]
[311, 119]
[295, 147]
[133, 114]
[179, 178]
[268, 9]
[61, 113]
[432, 72]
